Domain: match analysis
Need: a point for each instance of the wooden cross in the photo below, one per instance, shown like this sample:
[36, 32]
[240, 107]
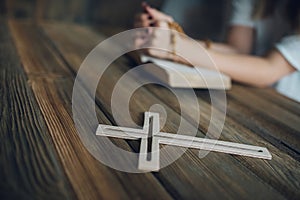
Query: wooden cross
[151, 137]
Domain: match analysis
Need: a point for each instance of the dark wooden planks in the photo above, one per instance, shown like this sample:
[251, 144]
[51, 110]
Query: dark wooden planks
[52, 85]
[275, 112]
[270, 120]
[282, 172]
[260, 118]
[29, 164]
[181, 179]
[273, 96]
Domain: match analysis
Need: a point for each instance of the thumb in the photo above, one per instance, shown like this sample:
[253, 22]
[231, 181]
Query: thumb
[145, 7]
[149, 10]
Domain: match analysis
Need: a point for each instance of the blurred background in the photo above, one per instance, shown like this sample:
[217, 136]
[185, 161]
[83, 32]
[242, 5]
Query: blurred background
[200, 19]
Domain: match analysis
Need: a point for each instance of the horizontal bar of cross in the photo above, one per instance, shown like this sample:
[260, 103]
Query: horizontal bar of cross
[151, 124]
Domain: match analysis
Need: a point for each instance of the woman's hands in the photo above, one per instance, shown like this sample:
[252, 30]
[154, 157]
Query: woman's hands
[157, 38]
[152, 20]
[150, 17]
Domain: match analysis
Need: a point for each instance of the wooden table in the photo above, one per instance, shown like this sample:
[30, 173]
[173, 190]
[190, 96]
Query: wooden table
[42, 156]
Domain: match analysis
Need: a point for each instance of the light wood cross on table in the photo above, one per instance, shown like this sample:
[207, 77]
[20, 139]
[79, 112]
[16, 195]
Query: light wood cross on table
[151, 137]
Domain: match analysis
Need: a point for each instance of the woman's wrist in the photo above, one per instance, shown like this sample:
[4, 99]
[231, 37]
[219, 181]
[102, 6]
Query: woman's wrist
[176, 35]
[177, 48]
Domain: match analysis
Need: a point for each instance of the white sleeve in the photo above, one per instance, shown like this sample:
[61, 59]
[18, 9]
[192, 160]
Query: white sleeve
[289, 47]
[242, 13]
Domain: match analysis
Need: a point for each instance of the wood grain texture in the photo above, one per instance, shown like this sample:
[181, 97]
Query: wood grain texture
[188, 173]
[262, 124]
[29, 164]
[281, 172]
[52, 85]
[51, 54]
[272, 96]
[270, 120]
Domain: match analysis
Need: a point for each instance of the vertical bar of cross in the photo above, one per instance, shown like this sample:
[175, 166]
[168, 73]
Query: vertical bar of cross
[149, 147]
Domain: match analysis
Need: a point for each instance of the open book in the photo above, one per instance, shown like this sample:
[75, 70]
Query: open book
[182, 76]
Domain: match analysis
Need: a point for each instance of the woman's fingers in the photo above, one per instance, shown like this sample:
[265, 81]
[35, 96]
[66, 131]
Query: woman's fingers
[162, 24]
[142, 37]
[142, 16]
[152, 37]
[141, 24]
[150, 17]
[157, 15]
[159, 38]
[143, 20]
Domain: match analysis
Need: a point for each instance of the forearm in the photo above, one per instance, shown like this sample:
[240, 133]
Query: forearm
[252, 70]
[239, 40]
[256, 71]
[220, 47]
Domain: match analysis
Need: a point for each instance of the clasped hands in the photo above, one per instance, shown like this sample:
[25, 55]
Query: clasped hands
[156, 33]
